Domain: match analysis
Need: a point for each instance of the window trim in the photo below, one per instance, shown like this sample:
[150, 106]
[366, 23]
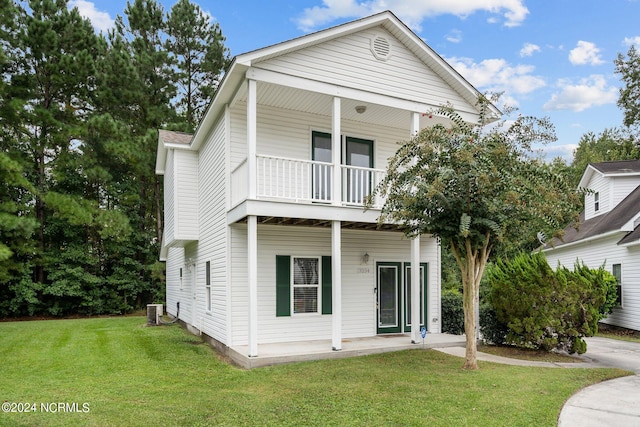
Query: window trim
[207, 286]
[318, 285]
[619, 283]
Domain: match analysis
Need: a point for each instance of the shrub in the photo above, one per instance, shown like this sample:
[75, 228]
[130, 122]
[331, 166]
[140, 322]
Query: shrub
[452, 312]
[546, 309]
[491, 329]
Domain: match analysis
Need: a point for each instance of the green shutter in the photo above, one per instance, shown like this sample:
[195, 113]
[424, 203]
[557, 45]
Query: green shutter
[326, 285]
[283, 285]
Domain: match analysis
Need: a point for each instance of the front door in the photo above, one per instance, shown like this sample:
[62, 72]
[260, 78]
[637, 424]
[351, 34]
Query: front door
[388, 290]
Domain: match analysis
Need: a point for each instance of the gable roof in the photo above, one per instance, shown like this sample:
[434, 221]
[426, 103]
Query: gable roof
[616, 168]
[241, 63]
[620, 219]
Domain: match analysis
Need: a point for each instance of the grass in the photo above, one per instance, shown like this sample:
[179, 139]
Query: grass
[133, 375]
[617, 333]
[526, 354]
[631, 337]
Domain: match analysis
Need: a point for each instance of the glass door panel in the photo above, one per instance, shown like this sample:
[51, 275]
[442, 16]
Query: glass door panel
[321, 179]
[388, 280]
[359, 153]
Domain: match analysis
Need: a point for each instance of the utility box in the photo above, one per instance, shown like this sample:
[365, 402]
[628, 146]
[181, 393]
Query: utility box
[154, 313]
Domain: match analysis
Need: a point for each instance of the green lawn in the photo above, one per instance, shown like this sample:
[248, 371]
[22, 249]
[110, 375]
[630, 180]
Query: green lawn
[131, 375]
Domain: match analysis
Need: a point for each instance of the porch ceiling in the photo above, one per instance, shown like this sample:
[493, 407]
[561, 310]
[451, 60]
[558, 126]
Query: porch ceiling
[310, 222]
[316, 103]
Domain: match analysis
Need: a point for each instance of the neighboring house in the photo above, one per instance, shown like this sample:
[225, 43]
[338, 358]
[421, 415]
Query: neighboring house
[608, 234]
[265, 236]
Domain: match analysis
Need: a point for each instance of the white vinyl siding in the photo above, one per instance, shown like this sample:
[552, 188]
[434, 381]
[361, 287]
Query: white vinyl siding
[181, 197]
[601, 186]
[169, 200]
[212, 244]
[358, 280]
[621, 187]
[175, 286]
[186, 195]
[349, 62]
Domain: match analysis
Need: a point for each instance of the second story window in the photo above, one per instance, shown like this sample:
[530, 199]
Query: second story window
[596, 202]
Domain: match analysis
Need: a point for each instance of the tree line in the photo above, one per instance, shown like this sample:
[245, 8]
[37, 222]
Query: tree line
[80, 205]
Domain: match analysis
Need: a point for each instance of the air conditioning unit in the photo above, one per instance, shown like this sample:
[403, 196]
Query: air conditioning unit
[154, 313]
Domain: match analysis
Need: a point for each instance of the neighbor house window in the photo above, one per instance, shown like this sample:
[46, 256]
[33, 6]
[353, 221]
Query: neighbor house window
[617, 272]
[306, 285]
[207, 286]
[596, 202]
[181, 278]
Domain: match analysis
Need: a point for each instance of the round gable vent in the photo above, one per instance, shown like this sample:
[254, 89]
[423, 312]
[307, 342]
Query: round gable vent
[381, 48]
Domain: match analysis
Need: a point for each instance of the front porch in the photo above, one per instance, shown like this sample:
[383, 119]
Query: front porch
[302, 351]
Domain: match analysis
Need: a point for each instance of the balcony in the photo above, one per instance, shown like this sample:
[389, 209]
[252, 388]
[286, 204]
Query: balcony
[305, 181]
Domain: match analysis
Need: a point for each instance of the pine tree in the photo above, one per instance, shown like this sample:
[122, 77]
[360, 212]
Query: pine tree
[197, 46]
[50, 85]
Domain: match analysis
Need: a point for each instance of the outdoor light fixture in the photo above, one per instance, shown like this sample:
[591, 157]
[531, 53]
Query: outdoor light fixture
[361, 109]
[365, 258]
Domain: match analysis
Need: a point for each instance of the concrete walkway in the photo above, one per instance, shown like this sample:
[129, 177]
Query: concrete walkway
[610, 403]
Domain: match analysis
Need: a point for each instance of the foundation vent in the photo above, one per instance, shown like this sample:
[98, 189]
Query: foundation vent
[381, 48]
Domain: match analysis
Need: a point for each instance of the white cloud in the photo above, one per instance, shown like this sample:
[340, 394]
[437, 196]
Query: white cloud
[630, 41]
[585, 53]
[101, 20]
[590, 92]
[565, 151]
[529, 49]
[497, 75]
[454, 36]
[412, 12]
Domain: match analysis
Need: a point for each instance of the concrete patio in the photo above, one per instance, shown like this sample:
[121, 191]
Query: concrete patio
[273, 354]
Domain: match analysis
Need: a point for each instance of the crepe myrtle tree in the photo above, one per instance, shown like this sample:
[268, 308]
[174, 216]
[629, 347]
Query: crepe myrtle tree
[476, 187]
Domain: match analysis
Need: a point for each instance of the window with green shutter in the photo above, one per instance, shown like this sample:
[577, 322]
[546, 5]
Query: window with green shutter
[304, 280]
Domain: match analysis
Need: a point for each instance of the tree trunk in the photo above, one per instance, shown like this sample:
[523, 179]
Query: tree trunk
[470, 290]
[472, 267]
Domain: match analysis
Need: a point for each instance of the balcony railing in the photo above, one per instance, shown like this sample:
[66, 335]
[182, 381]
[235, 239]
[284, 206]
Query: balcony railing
[305, 181]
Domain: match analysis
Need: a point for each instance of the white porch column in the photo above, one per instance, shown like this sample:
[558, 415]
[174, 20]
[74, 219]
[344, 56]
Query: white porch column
[415, 263]
[336, 285]
[252, 119]
[336, 153]
[252, 275]
[415, 290]
[415, 124]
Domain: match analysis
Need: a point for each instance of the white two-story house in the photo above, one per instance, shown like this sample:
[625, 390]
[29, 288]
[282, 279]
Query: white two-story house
[608, 234]
[266, 239]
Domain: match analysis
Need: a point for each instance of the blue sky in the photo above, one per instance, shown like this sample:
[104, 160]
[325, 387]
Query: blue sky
[551, 58]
